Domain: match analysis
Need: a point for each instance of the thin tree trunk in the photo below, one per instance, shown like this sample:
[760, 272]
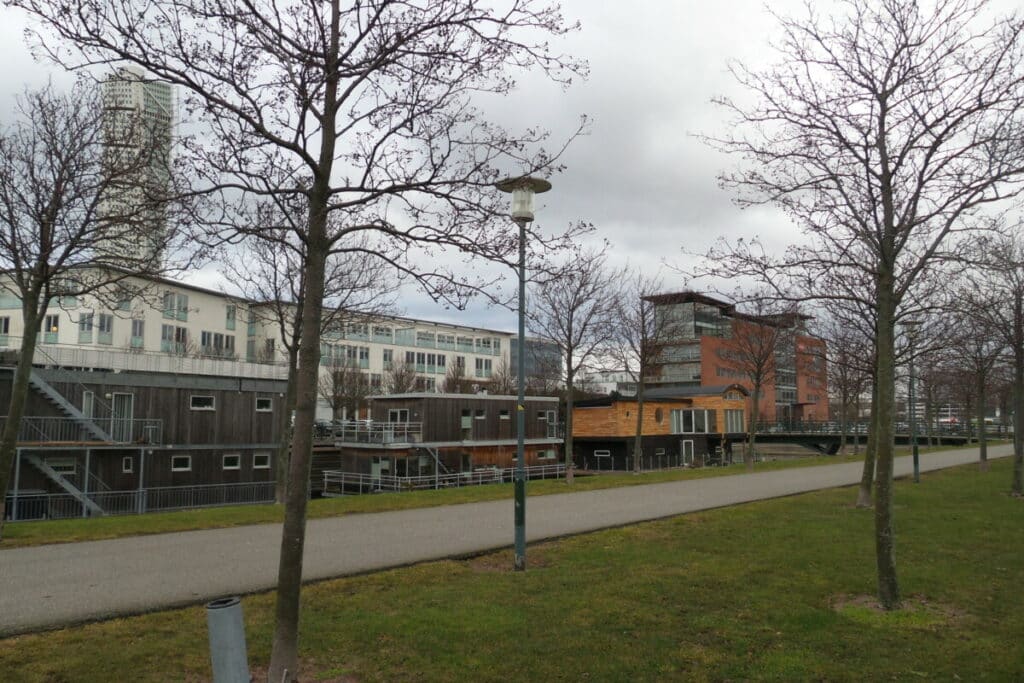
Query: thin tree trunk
[285, 428]
[888, 584]
[19, 395]
[845, 400]
[982, 431]
[1018, 416]
[638, 452]
[867, 476]
[748, 457]
[570, 376]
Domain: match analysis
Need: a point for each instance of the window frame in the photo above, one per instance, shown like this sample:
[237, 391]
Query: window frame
[224, 462]
[211, 408]
[256, 456]
[269, 408]
[177, 468]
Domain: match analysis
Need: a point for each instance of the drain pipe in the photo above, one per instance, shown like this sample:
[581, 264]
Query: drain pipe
[227, 641]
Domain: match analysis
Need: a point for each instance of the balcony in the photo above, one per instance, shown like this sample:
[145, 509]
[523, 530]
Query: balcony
[380, 433]
[72, 430]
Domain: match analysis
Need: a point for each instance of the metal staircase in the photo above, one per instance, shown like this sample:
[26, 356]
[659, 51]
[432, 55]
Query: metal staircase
[59, 479]
[62, 404]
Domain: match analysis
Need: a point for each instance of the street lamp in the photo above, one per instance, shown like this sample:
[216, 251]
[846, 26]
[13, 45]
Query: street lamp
[522, 189]
[911, 327]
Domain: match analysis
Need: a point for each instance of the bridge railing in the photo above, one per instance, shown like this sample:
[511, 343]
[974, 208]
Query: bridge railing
[862, 426]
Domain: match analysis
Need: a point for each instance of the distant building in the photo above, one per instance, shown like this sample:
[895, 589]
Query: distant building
[542, 358]
[611, 381]
[139, 115]
[699, 349]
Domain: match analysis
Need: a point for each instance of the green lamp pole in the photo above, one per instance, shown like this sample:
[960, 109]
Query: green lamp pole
[522, 189]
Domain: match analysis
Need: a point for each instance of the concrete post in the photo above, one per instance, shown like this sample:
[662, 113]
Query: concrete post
[227, 641]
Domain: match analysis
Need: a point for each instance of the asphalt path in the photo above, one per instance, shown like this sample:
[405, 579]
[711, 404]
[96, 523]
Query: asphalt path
[55, 585]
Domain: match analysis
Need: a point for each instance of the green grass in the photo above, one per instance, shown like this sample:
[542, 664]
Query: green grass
[24, 534]
[73, 530]
[770, 591]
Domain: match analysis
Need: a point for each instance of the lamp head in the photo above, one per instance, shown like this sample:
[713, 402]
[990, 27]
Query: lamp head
[523, 189]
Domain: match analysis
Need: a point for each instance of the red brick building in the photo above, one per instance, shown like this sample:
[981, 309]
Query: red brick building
[707, 342]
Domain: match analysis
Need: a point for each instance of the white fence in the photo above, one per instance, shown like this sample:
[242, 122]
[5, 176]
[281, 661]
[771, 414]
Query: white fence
[36, 506]
[336, 481]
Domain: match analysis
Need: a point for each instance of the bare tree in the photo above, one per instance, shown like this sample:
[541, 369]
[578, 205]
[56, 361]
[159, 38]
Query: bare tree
[456, 381]
[757, 338]
[575, 311]
[400, 378]
[640, 337]
[503, 381]
[269, 270]
[71, 198]
[994, 295]
[364, 110]
[849, 373]
[345, 388]
[885, 130]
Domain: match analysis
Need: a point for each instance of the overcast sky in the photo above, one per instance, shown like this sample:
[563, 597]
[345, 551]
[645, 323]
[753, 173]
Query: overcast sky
[640, 176]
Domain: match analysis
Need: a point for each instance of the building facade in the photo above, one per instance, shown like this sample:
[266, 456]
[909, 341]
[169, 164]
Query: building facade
[707, 342]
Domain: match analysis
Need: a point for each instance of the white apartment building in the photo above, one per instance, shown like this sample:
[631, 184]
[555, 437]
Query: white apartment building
[607, 381]
[166, 326]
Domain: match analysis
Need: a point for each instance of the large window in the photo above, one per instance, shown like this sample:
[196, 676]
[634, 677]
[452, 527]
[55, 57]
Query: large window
[483, 367]
[106, 328]
[692, 421]
[734, 421]
[85, 325]
[175, 306]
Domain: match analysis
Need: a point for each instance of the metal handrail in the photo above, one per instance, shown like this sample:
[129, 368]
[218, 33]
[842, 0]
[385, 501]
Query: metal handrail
[365, 483]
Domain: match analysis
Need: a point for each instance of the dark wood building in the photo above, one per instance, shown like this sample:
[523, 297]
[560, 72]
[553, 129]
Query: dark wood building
[112, 442]
[422, 434]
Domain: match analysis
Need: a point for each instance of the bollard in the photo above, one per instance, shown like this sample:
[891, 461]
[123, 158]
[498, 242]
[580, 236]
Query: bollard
[227, 641]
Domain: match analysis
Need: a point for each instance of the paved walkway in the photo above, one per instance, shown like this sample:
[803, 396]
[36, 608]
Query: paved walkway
[55, 585]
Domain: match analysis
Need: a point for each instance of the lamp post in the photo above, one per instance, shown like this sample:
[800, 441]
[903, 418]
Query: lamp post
[522, 189]
[911, 326]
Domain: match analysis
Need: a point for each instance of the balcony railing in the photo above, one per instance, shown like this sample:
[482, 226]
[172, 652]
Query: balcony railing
[69, 429]
[354, 482]
[133, 359]
[373, 432]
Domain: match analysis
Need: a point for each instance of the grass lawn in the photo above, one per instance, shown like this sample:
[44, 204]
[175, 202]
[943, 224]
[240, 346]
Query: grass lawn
[776, 590]
[71, 530]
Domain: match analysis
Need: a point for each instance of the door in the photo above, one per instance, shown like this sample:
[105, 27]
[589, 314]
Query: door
[686, 448]
[121, 412]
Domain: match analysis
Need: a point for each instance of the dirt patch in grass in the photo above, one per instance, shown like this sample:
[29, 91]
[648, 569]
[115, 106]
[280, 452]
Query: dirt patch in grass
[309, 671]
[915, 611]
[502, 562]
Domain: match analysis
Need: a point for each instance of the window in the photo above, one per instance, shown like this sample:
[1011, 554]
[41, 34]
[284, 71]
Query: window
[173, 339]
[480, 415]
[261, 461]
[264, 404]
[106, 329]
[602, 454]
[5, 325]
[51, 324]
[197, 402]
[175, 306]
[389, 355]
[734, 421]
[230, 316]
[547, 454]
[692, 421]
[138, 333]
[85, 324]
[483, 367]
[181, 463]
[127, 465]
[65, 467]
[231, 461]
[88, 403]
[659, 451]
[503, 415]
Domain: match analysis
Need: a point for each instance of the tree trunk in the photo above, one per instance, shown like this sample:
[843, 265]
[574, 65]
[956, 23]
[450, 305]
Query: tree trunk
[982, 431]
[285, 428]
[638, 451]
[844, 403]
[755, 401]
[19, 394]
[569, 377]
[888, 584]
[867, 476]
[1018, 417]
